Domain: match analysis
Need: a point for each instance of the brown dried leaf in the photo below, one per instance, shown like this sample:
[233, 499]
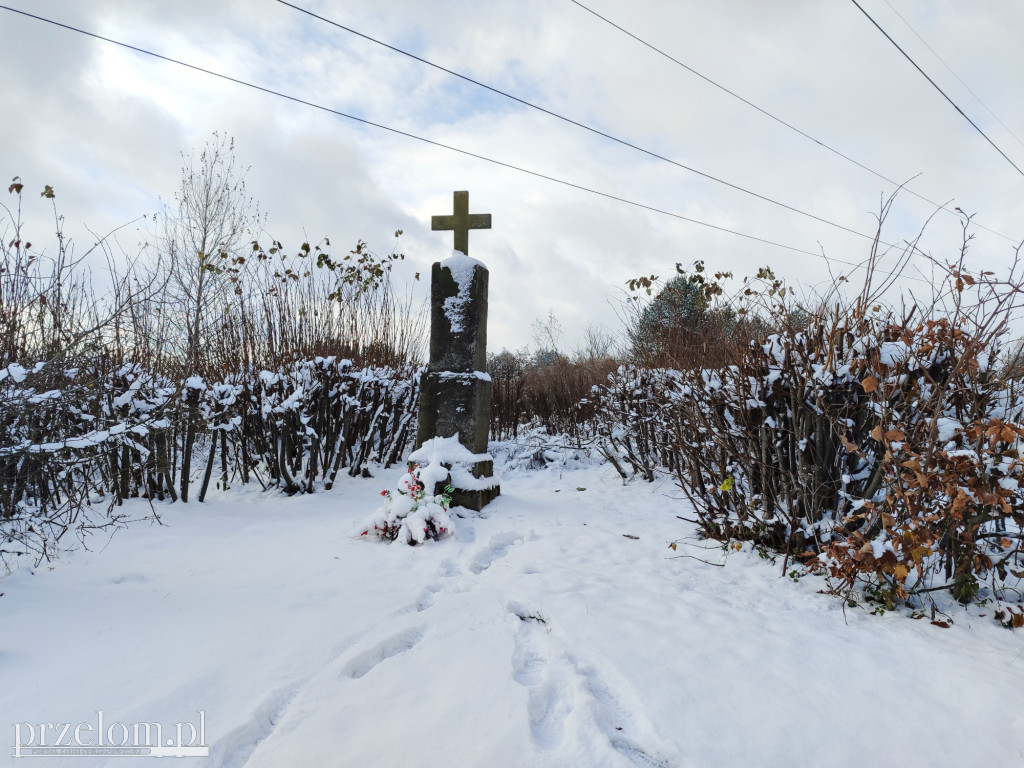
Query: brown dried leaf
[943, 624]
[870, 384]
[895, 435]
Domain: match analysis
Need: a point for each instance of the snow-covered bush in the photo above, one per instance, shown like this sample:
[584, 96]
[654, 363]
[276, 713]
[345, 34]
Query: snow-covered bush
[81, 440]
[411, 515]
[56, 459]
[537, 450]
[638, 420]
[311, 420]
[882, 448]
[288, 369]
[61, 435]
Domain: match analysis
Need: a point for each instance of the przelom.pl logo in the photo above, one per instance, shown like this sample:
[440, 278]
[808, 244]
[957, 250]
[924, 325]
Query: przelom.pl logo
[113, 740]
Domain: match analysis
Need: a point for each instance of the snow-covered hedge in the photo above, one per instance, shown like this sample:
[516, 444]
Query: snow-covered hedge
[875, 449]
[83, 439]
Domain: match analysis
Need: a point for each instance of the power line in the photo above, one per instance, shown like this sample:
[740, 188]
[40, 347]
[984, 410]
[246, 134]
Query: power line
[441, 145]
[954, 74]
[578, 124]
[399, 132]
[936, 87]
[777, 119]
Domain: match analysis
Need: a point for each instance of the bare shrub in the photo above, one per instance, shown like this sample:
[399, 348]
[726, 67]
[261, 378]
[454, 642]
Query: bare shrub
[547, 391]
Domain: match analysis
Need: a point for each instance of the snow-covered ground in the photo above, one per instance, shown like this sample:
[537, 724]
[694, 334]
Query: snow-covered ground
[557, 630]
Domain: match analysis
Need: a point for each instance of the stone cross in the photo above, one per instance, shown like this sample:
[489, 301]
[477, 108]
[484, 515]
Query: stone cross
[461, 222]
[455, 390]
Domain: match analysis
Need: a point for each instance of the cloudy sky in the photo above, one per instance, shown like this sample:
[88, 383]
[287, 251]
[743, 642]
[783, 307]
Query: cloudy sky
[105, 127]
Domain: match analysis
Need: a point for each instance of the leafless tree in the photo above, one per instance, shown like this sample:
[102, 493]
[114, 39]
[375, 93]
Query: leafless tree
[211, 221]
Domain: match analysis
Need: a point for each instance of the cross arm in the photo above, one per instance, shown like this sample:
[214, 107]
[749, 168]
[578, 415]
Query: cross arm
[461, 222]
[474, 221]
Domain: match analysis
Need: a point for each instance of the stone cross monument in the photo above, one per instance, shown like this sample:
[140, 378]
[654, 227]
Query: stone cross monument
[455, 391]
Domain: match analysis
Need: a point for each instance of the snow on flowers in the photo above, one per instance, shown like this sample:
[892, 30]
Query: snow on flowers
[409, 514]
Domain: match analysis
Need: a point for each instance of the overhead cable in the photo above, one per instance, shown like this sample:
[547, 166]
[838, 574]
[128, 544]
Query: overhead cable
[578, 124]
[936, 87]
[790, 126]
[441, 145]
[954, 74]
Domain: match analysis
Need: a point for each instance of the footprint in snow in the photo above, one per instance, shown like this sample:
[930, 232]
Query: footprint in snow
[360, 664]
[528, 661]
[495, 550]
[618, 723]
[235, 748]
[424, 601]
[345, 644]
[449, 569]
[547, 706]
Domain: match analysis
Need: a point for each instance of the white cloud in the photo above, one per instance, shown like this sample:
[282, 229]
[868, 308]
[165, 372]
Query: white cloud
[105, 126]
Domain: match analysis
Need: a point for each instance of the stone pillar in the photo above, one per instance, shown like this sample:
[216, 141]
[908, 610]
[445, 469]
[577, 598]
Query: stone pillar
[455, 391]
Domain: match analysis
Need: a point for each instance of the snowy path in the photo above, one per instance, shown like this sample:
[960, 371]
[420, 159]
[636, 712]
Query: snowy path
[541, 635]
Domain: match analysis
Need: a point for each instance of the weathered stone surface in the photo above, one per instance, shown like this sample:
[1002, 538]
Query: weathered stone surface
[477, 499]
[454, 404]
[459, 346]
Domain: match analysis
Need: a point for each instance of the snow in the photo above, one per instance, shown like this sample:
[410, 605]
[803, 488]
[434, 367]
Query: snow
[892, 353]
[947, 428]
[467, 377]
[440, 452]
[556, 629]
[446, 450]
[15, 371]
[462, 267]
